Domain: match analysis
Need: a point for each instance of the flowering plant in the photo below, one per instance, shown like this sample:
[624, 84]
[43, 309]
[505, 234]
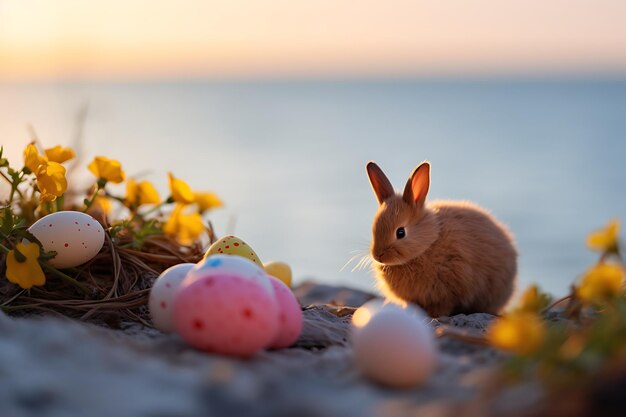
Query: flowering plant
[145, 234]
[583, 338]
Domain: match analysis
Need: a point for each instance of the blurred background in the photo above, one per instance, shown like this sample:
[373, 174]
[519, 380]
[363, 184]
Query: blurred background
[520, 105]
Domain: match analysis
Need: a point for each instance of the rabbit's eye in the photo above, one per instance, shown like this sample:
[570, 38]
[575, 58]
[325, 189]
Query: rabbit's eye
[400, 233]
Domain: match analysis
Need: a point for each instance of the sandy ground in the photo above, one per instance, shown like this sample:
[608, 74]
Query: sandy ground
[59, 367]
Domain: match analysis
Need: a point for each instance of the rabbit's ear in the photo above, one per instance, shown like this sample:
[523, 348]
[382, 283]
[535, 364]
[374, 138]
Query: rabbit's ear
[380, 183]
[417, 186]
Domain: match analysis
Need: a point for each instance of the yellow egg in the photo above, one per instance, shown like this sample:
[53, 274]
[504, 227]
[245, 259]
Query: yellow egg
[280, 270]
[232, 245]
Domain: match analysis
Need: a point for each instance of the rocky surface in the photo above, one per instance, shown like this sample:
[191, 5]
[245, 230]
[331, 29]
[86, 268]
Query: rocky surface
[312, 293]
[58, 367]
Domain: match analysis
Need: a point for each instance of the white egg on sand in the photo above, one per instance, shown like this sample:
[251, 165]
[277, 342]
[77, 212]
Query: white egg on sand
[393, 346]
[76, 237]
[162, 295]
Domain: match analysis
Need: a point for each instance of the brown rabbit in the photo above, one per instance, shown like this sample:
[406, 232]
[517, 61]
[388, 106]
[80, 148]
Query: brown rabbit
[448, 257]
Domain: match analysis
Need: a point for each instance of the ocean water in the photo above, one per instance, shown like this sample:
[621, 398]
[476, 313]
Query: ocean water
[547, 157]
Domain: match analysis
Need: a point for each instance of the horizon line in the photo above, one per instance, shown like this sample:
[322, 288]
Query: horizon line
[612, 75]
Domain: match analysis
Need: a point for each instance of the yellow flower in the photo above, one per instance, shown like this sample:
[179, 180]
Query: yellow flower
[604, 240]
[533, 300]
[28, 272]
[51, 181]
[181, 192]
[601, 283]
[32, 159]
[101, 204]
[139, 193]
[59, 154]
[521, 333]
[107, 169]
[185, 228]
[206, 201]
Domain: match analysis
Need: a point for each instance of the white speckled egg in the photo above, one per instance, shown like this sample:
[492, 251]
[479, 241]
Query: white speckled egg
[162, 295]
[393, 345]
[233, 265]
[76, 237]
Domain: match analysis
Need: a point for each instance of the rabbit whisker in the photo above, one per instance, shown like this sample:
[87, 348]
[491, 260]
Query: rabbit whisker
[365, 261]
[352, 259]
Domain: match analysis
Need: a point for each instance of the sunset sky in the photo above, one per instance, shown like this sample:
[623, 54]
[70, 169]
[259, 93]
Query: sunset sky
[148, 39]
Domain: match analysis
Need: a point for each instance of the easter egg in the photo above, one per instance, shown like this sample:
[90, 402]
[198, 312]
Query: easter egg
[289, 316]
[226, 314]
[363, 314]
[162, 295]
[76, 237]
[280, 270]
[232, 265]
[232, 245]
[393, 345]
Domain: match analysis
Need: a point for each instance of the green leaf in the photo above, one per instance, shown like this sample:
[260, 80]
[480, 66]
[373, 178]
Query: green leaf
[147, 229]
[3, 266]
[25, 234]
[21, 223]
[46, 256]
[19, 256]
[7, 221]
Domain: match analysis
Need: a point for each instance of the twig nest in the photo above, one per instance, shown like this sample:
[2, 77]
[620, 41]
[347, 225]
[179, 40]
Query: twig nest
[226, 305]
[393, 345]
[289, 315]
[76, 237]
[162, 295]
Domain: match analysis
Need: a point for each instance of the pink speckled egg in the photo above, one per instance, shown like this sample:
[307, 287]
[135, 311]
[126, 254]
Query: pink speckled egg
[232, 265]
[225, 313]
[162, 294]
[289, 315]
